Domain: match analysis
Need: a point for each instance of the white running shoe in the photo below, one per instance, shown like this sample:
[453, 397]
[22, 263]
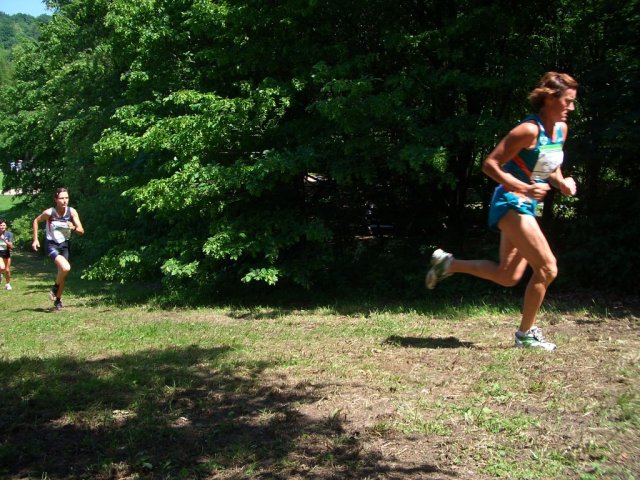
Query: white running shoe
[533, 339]
[8, 287]
[440, 262]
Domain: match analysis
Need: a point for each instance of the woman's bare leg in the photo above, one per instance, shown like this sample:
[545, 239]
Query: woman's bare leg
[63, 270]
[506, 273]
[524, 233]
[7, 270]
[521, 243]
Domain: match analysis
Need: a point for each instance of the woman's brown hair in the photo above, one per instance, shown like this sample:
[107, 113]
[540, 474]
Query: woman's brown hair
[551, 84]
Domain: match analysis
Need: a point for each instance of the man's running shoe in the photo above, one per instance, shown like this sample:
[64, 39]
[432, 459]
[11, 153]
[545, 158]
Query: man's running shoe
[53, 293]
[58, 304]
[533, 339]
[440, 262]
[8, 286]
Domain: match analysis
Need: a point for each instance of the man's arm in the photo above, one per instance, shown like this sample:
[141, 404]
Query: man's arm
[35, 244]
[77, 224]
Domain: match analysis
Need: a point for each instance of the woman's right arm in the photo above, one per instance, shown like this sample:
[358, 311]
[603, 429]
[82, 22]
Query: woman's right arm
[522, 136]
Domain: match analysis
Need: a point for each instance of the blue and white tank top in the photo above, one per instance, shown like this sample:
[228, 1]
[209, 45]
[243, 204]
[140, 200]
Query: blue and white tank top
[537, 164]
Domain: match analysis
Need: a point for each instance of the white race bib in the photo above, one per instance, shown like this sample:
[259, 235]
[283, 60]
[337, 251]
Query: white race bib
[60, 231]
[550, 158]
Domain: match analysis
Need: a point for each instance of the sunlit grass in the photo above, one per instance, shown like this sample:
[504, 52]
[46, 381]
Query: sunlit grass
[266, 391]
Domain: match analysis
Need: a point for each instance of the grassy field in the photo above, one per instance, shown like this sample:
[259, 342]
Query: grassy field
[113, 389]
[7, 202]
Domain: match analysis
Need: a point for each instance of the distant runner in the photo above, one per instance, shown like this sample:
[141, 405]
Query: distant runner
[6, 244]
[61, 220]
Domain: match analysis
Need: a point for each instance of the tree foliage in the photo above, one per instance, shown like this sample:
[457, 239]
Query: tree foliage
[17, 28]
[216, 141]
[14, 31]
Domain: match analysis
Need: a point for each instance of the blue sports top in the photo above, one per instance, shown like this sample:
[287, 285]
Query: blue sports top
[537, 164]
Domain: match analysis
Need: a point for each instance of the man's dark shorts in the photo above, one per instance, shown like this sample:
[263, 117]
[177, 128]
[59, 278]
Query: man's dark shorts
[54, 249]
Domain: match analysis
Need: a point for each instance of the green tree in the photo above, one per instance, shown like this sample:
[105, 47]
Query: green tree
[14, 31]
[246, 140]
[18, 28]
[600, 48]
[5, 69]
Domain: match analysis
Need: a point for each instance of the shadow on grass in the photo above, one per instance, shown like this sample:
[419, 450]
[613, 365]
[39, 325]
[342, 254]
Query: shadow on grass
[181, 413]
[431, 343]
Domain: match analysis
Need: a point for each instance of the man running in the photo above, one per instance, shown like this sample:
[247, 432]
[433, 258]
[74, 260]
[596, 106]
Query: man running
[61, 220]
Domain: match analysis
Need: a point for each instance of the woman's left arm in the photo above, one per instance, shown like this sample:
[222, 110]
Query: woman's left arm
[566, 185]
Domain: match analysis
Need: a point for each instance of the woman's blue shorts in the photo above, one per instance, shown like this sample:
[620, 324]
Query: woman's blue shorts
[503, 201]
